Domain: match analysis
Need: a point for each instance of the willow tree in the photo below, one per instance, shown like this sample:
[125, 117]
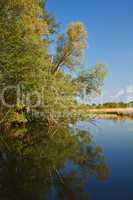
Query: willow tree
[25, 27]
[22, 51]
[67, 61]
[25, 60]
[60, 88]
[70, 47]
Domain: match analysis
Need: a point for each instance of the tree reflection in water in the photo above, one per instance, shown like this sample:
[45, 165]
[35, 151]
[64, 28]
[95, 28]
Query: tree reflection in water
[40, 163]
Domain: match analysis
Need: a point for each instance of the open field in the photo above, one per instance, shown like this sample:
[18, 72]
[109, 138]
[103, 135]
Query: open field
[111, 111]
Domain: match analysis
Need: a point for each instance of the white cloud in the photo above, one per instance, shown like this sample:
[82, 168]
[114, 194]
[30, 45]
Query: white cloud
[124, 94]
[129, 89]
[119, 93]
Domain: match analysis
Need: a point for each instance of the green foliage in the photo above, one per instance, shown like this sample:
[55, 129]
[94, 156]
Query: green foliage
[70, 47]
[26, 30]
[92, 80]
[15, 117]
[24, 57]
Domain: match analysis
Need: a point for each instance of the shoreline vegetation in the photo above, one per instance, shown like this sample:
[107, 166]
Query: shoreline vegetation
[113, 113]
[108, 113]
[108, 110]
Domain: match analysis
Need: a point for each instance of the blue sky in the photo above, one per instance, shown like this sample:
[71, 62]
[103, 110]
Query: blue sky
[110, 27]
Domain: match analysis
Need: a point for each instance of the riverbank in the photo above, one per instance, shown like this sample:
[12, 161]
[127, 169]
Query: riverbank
[112, 113]
[107, 113]
[112, 110]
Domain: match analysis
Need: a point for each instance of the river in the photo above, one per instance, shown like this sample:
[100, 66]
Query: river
[116, 140]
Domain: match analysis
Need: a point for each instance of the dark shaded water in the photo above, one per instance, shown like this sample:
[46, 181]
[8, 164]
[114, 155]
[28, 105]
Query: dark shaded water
[83, 161]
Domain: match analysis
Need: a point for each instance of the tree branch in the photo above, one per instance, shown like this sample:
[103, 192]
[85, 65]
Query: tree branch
[61, 62]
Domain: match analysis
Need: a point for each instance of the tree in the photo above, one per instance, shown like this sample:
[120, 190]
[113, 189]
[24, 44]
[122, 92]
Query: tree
[70, 47]
[26, 29]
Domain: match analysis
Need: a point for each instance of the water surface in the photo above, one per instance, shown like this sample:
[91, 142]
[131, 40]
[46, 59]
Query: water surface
[85, 161]
[116, 139]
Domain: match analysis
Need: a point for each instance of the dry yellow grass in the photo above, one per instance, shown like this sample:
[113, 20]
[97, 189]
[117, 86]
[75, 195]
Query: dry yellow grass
[111, 110]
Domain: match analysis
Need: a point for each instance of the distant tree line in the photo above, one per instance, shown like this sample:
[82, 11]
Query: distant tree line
[112, 105]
